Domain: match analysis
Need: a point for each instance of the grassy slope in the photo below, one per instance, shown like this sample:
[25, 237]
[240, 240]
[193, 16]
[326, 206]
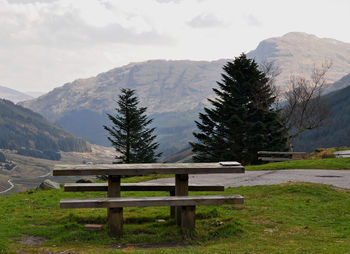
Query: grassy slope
[330, 163]
[287, 218]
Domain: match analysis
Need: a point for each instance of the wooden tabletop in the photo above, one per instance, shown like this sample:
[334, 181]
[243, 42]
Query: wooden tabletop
[145, 169]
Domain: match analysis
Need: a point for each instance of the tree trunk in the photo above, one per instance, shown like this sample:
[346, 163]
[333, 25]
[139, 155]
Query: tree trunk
[290, 144]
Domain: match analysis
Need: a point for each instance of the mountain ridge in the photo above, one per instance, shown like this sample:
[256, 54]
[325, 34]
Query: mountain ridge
[298, 53]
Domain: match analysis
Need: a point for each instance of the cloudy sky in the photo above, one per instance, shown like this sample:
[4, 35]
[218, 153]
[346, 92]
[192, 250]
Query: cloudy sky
[46, 43]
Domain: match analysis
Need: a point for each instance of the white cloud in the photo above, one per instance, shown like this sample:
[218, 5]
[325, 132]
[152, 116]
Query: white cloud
[45, 43]
[252, 20]
[168, 1]
[62, 25]
[205, 21]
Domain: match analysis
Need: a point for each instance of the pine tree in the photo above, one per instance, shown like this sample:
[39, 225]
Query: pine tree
[241, 120]
[129, 134]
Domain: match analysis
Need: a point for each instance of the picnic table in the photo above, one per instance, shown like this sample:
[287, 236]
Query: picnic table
[185, 206]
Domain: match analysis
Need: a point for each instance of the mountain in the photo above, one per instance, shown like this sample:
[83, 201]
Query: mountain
[13, 95]
[162, 86]
[31, 134]
[172, 90]
[336, 132]
[175, 91]
[297, 53]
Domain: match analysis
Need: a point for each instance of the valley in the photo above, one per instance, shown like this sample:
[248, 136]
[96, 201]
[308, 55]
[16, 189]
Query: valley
[29, 172]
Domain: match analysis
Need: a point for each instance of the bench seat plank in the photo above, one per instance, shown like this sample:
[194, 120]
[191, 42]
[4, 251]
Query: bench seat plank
[151, 201]
[138, 187]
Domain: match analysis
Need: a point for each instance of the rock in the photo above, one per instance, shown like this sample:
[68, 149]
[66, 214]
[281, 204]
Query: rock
[93, 227]
[48, 184]
[85, 180]
[161, 220]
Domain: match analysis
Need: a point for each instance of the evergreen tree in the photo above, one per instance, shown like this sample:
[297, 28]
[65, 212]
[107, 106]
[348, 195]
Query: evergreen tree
[129, 134]
[241, 120]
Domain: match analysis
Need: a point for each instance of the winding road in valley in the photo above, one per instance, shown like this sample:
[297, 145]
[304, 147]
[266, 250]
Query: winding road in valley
[33, 181]
[10, 188]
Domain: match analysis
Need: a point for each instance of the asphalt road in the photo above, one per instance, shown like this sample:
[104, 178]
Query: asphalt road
[339, 178]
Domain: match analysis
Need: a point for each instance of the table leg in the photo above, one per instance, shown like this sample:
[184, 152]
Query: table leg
[181, 189]
[172, 208]
[115, 215]
[188, 217]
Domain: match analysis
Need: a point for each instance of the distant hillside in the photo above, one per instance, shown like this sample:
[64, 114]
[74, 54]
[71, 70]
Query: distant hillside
[184, 156]
[340, 84]
[162, 86]
[30, 134]
[175, 91]
[337, 132]
[13, 95]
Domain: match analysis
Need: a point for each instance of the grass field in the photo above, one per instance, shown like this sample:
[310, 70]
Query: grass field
[287, 218]
[328, 163]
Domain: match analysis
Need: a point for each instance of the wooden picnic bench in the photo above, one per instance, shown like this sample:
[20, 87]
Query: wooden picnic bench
[185, 205]
[82, 187]
[279, 156]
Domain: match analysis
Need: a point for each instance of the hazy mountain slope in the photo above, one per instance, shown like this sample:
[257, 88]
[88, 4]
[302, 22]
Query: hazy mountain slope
[337, 132]
[340, 84]
[30, 134]
[298, 52]
[34, 94]
[13, 95]
[162, 86]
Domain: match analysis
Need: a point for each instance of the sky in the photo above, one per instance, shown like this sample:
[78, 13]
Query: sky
[47, 43]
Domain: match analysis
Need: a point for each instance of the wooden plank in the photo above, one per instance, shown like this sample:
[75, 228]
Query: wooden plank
[275, 159]
[145, 169]
[71, 187]
[151, 201]
[286, 153]
[181, 189]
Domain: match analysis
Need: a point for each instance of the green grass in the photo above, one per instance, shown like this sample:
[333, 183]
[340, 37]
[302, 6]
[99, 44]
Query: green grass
[287, 218]
[137, 179]
[330, 163]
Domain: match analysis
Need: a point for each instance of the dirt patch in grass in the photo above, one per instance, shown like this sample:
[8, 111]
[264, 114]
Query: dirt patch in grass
[33, 240]
[150, 246]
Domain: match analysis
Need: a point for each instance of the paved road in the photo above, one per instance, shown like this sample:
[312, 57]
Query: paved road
[339, 178]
